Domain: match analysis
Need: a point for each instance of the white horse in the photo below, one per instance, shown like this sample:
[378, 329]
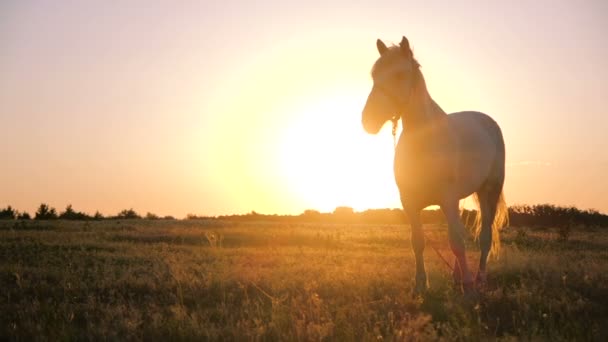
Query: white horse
[439, 159]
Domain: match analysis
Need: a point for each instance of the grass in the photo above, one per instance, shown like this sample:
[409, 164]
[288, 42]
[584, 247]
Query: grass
[206, 280]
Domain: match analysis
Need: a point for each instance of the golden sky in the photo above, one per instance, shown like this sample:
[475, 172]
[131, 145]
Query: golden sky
[226, 107]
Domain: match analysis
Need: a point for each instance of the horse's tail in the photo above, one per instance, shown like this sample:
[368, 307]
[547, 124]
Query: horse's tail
[501, 219]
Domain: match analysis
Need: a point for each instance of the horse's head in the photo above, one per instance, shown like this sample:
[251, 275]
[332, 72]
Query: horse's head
[394, 75]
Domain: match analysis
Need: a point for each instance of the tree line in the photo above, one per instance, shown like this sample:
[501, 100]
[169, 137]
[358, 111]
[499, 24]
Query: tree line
[541, 215]
[46, 212]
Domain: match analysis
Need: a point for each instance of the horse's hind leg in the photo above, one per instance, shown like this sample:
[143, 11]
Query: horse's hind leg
[488, 199]
[457, 234]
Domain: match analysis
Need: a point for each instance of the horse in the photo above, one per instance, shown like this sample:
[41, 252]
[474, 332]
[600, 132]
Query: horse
[439, 159]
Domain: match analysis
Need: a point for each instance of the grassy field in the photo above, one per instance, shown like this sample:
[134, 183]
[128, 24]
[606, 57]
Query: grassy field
[206, 280]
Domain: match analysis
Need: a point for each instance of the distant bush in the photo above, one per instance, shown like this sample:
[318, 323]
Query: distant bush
[98, 216]
[45, 212]
[201, 217]
[344, 211]
[549, 215]
[23, 216]
[311, 212]
[311, 215]
[345, 214]
[8, 213]
[71, 214]
[152, 216]
[128, 214]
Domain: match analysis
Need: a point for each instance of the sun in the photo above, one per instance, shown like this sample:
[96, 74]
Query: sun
[327, 160]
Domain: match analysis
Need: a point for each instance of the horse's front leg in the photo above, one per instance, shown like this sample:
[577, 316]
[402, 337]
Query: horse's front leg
[418, 248]
[457, 234]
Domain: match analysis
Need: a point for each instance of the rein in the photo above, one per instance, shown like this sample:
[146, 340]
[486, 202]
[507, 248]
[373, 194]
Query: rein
[447, 263]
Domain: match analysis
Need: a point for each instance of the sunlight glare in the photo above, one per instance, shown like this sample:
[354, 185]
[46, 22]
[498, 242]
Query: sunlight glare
[328, 160]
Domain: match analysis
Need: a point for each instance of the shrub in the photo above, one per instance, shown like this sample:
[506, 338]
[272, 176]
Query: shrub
[152, 216]
[23, 216]
[45, 212]
[128, 214]
[71, 214]
[98, 216]
[8, 213]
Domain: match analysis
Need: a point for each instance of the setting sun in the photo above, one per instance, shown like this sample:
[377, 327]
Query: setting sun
[328, 160]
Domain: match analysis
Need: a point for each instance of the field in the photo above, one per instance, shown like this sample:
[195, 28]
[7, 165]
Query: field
[213, 280]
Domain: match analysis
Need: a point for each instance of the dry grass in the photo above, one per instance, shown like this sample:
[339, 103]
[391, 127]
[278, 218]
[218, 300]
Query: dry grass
[185, 280]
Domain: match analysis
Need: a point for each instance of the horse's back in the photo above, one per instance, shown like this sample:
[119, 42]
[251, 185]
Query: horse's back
[476, 128]
[473, 120]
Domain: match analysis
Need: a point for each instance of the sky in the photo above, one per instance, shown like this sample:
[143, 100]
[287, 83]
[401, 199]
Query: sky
[221, 107]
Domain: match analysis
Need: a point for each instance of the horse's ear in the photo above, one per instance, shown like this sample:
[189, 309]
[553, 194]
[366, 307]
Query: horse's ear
[381, 47]
[405, 47]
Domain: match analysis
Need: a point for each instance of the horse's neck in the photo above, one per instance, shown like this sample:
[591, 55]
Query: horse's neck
[422, 110]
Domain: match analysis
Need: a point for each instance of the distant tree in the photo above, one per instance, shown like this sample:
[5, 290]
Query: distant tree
[344, 211]
[151, 216]
[45, 212]
[23, 216]
[71, 214]
[311, 212]
[8, 213]
[98, 216]
[168, 217]
[311, 215]
[128, 214]
[191, 217]
[68, 213]
[344, 215]
[385, 216]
